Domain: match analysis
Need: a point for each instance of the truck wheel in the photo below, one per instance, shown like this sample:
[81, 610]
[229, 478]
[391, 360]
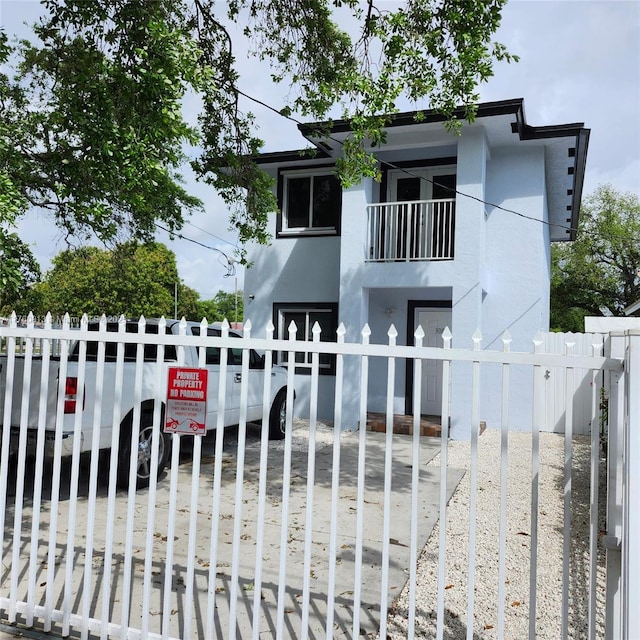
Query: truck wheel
[278, 416]
[145, 441]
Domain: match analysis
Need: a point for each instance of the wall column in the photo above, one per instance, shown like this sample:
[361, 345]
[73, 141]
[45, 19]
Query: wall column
[473, 153]
[354, 302]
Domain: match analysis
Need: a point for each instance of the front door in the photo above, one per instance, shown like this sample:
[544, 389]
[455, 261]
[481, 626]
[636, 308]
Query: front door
[433, 322]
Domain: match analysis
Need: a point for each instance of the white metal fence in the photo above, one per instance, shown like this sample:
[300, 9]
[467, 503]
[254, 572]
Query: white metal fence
[316, 536]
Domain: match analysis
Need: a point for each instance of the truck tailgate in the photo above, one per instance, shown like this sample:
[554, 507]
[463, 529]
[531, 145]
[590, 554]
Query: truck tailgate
[33, 391]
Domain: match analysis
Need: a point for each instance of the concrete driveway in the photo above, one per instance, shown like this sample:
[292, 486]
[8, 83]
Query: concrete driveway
[273, 550]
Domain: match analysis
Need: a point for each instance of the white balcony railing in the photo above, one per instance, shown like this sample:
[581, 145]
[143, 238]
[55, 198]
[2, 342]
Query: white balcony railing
[415, 230]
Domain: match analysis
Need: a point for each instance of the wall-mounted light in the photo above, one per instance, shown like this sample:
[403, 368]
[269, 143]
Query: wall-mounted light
[390, 311]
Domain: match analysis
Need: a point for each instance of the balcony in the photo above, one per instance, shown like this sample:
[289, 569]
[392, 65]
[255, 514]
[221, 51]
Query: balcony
[411, 231]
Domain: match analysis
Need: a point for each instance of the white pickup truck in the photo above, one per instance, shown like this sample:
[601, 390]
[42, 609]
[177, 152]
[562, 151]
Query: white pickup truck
[118, 388]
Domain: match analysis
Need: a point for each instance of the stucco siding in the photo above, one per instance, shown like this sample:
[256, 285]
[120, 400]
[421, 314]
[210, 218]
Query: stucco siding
[473, 154]
[498, 278]
[291, 270]
[516, 255]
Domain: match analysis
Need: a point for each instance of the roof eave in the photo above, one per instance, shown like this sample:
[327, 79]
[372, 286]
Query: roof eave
[582, 144]
[274, 157]
[485, 109]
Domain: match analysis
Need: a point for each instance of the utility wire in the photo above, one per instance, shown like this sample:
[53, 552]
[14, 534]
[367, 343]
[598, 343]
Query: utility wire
[213, 235]
[230, 265]
[414, 175]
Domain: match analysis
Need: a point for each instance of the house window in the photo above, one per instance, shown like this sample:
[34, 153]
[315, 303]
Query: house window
[311, 203]
[305, 316]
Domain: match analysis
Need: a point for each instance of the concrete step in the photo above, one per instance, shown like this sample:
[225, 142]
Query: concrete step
[402, 424]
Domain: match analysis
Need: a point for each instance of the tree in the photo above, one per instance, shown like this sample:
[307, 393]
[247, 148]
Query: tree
[134, 279]
[222, 306]
[91, 121]
[19, 271]
[598, 273]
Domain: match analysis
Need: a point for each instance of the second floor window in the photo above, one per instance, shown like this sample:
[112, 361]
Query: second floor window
[311, 203]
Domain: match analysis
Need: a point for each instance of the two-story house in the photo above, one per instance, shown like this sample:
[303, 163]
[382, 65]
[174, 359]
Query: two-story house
[457, 234]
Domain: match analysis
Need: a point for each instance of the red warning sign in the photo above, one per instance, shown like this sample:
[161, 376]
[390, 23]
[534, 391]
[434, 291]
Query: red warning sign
[186, 401]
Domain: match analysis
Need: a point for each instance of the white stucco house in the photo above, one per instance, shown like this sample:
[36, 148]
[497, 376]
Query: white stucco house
[456, 234]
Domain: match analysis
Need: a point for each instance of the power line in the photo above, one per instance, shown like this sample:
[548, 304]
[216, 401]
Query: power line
[230, 265]
[213, 235]
[414, 175]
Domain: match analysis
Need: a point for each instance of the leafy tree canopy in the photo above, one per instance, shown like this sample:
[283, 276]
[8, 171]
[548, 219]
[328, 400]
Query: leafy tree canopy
[598, 273]
[134, 279]
[223, 306]
[19, 271]
[91, 120]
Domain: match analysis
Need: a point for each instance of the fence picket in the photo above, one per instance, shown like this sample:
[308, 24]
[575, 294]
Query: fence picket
[473, 484]
[55, 483]
[567, 490]
[415, 480]
[195, 492]
[286, 486]
[87, 587]
[594, 527]
[335, 489]
[111, 497]
[311, 474]
[153, 480]
[238, 502]
[538, 404]
[210, 627]
[39, 470]
[388, 460]
[262, 487]
[22, 456]
[504, 468]
[444, 449]
[362, 452]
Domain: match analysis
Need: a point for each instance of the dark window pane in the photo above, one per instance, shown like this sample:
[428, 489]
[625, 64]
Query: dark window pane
[298, 196]
[444, 187]
[324, 320]
[325, 359]
[213, 355]
[408, 189]
[327, 199]
[300, 321]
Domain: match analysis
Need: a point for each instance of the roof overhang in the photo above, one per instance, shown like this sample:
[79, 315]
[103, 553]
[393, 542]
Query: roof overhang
[633, 309]
[505, 126]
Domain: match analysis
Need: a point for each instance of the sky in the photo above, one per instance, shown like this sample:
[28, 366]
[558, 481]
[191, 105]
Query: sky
[579, 62]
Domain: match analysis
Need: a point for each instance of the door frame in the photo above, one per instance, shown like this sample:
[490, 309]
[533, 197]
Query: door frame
[412, 307]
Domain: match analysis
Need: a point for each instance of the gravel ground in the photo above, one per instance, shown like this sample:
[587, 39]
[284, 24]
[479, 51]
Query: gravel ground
[518, 541]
